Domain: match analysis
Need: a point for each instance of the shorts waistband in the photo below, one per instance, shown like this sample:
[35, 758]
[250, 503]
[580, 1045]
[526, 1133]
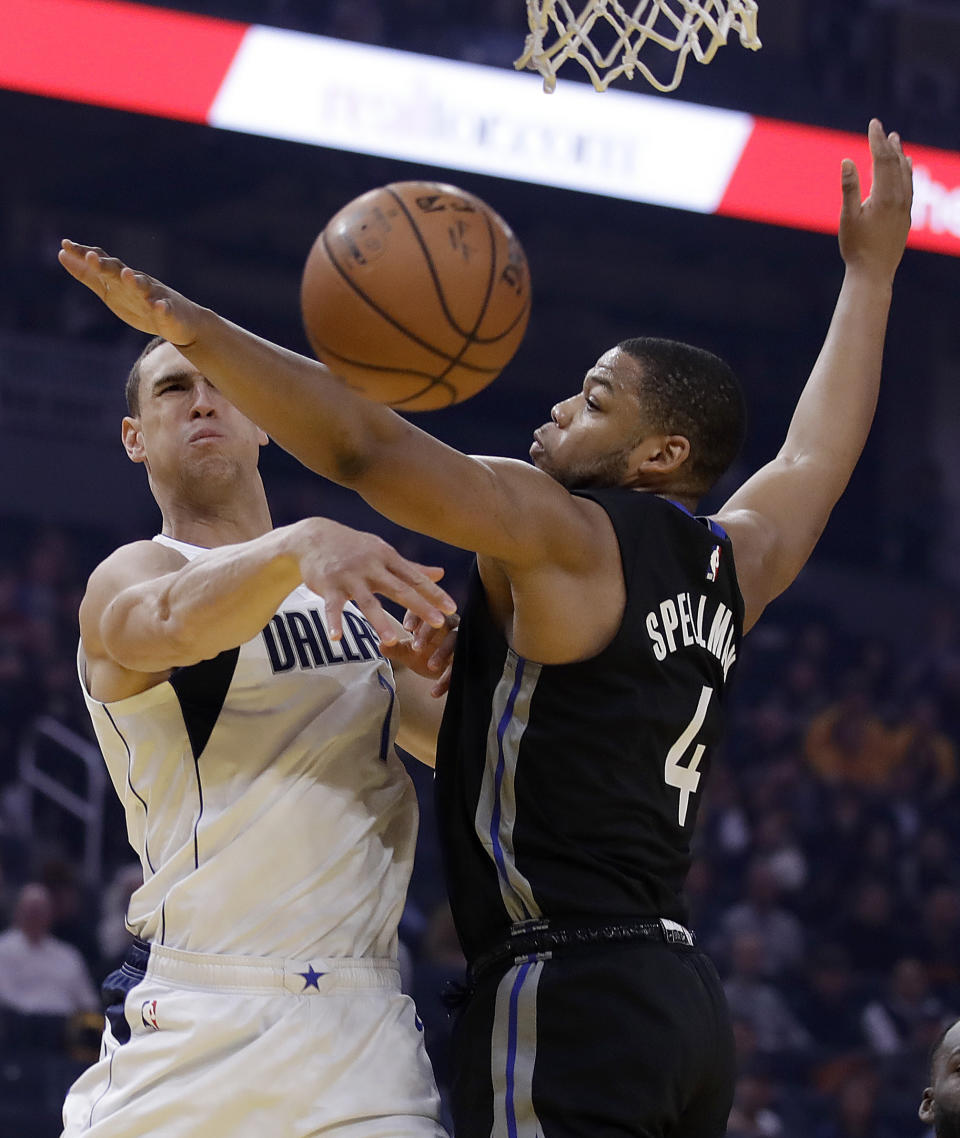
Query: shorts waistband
[543, 938]
[321, 975]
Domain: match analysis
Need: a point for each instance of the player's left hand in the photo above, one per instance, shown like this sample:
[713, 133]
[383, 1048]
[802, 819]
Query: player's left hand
[873, 232]
[426, 650]
[139, 300]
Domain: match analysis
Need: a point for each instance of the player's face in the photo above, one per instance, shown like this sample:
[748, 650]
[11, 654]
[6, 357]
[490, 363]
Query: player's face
[186, 429]
[941, 1102]
[592, 437]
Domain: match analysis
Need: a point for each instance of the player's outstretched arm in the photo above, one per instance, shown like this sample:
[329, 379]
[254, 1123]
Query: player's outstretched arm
[147, 610]
[776, 518]
[506, 510]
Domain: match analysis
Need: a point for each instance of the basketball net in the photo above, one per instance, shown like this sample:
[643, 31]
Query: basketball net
[622, 29]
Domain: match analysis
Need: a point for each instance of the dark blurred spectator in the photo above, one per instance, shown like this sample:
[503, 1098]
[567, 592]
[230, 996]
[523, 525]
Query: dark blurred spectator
[39, 974]
[875, 663]
[754, 1114]
[18, 702]
[855, 1112]
[74, 915]
[924, 750]
[778, 846]
[839, 838]
[908, 1014]
[724, 826]
[932, 860]
[935, 670]
[829, 1003]
[938, 939]
[703, 896]
[113, 936]
[761, 914]
[757, 1002]
[881, 852]
[871, 927]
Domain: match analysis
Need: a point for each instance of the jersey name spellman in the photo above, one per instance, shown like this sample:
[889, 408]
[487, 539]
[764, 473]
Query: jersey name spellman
[688, 619]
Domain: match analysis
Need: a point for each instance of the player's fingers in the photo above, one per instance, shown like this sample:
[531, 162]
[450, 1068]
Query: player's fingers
[906, 170]
[423, 578]
[850, 186]
[333, 602]
[81, 260]
[441, 657]
[436, 638]
[877, 137]
[102, 259]
[417, 602]
[73, 263]
[887, 153]
[143, 281]
[442, 686]
[382, 624]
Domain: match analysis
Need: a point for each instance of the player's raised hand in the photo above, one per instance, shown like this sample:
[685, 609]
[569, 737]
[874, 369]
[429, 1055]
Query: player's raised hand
[873, 231]
[343, 564]
[138, 299]
[427, 650]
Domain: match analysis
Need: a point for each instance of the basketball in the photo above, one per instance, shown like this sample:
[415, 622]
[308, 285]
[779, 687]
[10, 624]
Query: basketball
[417, 294]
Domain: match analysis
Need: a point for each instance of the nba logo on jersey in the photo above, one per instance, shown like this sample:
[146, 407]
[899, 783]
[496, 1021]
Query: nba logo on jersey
[714, 564]
[148, 1013]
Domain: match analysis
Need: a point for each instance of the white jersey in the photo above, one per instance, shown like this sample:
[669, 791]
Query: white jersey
[263, 794]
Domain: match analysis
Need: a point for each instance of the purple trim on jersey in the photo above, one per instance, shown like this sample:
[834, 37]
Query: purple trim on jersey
[714, 527]
[689, 513]
[512, 1048]
[498, 778]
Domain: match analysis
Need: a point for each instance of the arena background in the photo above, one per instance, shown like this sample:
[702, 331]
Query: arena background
[828, 872]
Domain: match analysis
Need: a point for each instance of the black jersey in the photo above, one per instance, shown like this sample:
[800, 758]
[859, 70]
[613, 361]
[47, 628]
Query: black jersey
[570, 791]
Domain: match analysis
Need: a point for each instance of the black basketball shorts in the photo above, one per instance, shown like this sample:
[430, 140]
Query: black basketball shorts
[604, 1041]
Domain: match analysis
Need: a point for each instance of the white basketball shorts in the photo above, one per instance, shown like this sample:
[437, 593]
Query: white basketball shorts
[235, 1047]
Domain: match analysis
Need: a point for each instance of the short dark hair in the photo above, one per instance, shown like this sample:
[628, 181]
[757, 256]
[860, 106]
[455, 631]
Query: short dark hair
[691, 392]
[132, 388]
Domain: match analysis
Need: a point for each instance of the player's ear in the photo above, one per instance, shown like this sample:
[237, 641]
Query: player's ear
[926, 1107]
[133, 439]
[663, 454]
[262, 437]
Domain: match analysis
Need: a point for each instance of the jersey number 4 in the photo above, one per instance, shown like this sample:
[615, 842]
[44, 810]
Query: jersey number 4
[687, 778]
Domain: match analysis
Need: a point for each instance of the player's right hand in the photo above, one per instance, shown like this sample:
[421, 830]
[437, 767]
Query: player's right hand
[344, 564]
[138, 299]
[430, 649]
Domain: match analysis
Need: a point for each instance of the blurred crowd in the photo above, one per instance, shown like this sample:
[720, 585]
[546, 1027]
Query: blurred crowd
[826, 882]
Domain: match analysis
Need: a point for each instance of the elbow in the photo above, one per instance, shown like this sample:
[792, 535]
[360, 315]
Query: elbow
[349, 467]
[157, 644]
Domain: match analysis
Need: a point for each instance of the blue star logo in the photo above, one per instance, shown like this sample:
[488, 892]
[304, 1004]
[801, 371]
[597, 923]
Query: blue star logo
[310, 978]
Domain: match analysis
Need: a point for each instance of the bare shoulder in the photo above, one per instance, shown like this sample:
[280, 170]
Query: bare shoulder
[552, 524]
[127, 566]
[752, 537]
